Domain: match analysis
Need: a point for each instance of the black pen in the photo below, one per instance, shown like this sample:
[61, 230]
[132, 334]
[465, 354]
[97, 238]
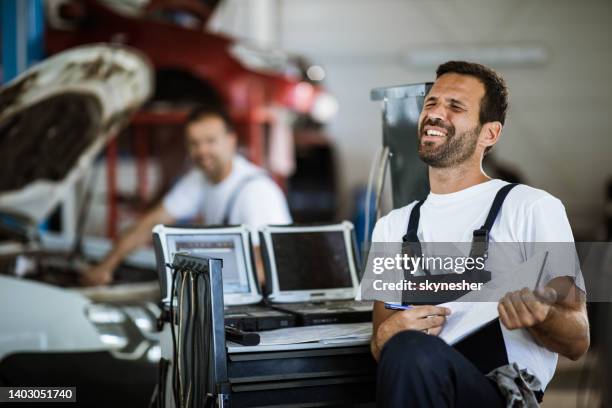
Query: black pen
[394, 306]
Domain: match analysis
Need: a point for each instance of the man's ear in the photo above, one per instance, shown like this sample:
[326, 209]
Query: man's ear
[490, 134]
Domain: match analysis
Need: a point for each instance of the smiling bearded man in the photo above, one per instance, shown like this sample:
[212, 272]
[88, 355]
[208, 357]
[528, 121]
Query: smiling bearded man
[462, 118]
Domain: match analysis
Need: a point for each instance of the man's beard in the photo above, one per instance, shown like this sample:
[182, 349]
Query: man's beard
[456, 149]
[212, 171]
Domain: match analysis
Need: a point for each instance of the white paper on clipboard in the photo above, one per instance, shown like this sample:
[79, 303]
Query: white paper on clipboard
[468, 315]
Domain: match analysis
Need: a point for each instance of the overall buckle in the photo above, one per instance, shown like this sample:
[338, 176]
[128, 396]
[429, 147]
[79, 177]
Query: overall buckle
[480, 243]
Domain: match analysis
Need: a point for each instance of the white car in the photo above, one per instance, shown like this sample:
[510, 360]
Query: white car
[55, 119]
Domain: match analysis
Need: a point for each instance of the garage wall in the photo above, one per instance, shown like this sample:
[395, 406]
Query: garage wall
[558, 129]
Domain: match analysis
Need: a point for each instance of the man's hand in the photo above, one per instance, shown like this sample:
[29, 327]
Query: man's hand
[101, 274]
[136, 237]
[555, 316]
[429, 319]
[524, 308]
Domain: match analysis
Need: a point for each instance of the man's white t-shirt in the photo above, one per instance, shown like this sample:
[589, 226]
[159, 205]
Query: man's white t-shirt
[528, 215]
[259, 201]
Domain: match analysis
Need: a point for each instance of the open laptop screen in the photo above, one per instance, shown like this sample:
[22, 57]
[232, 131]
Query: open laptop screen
[227, 247]
[311, 260]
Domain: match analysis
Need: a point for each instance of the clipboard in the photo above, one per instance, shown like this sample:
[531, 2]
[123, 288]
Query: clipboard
[469, 315]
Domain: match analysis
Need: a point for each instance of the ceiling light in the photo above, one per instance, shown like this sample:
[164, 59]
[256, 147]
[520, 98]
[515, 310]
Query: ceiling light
[315, 73]
[496, 55]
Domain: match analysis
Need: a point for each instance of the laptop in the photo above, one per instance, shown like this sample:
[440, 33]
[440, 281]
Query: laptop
[311, 271]
[241, 295]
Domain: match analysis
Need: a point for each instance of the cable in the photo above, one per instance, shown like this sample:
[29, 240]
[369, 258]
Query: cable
[193, 365]
[382, 174]
[181, 337]
[193, 383]
[162, 376]
[175, 274]
[368, 197]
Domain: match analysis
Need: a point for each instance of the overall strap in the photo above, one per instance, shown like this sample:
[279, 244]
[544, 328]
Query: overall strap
[413, 223]
[490, 337]
[480, 237]
[497, 204]
[411, 238]
[234, 195]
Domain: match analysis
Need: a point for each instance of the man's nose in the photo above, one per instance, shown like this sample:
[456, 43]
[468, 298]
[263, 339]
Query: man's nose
[199, 151]
[202, 148]
[436, 112]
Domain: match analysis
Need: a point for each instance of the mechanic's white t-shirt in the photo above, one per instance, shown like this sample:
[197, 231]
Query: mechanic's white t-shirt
[528, 215]
[259, 202]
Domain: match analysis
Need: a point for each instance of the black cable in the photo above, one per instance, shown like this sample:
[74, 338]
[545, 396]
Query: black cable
[154, 397]
[201, 332]
[210, 390]
[175, 273]
[208, 347]
[197, 339]
[188, 340]
[183, 335]
[193, 381]
[191, 327]
[198, 326]
[196, 343]
[161, 385]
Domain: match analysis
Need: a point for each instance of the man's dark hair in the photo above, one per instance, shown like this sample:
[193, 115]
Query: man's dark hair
[494, 103]
[202, 111]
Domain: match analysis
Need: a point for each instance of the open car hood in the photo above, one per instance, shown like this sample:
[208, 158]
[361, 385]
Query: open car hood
[57, 116]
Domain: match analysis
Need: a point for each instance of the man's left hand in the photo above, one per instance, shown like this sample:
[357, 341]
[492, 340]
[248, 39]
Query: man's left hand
[525, 308]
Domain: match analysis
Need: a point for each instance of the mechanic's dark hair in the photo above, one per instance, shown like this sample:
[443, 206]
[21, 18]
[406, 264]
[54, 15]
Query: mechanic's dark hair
[494, 103]
[214, 110]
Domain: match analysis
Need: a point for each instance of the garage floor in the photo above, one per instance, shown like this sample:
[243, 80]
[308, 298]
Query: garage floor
[563, 391]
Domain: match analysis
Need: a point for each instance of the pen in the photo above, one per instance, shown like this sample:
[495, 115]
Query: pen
[540, 274]
[393, 306]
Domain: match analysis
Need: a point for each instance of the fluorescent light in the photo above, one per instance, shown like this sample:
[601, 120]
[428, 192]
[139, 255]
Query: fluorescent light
[497, 55]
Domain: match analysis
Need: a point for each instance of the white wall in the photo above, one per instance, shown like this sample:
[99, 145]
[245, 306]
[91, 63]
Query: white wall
[558, 130]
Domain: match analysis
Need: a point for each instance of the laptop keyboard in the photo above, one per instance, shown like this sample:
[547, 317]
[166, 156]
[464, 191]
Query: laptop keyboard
[339, 305]
[243, 309]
